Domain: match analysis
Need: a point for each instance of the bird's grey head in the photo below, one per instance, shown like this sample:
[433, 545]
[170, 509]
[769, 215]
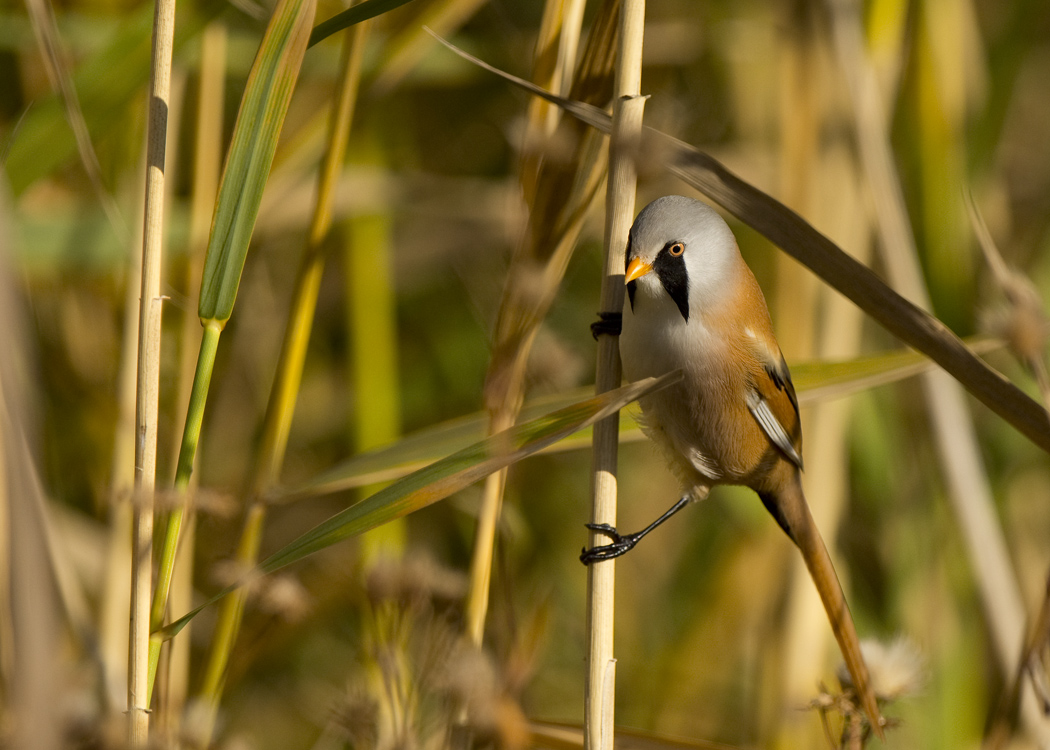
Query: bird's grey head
[680, 247]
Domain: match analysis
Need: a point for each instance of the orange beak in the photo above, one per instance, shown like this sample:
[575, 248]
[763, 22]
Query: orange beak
[636, 269]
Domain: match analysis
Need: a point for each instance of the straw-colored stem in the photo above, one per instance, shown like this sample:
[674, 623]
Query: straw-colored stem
[138, 664]
[599, 699]
[281, 407]
[559, 30]
[148, 391]
[226, 630]
[481, 556]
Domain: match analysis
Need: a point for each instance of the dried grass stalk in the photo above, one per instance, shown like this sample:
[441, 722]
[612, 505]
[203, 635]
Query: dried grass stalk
[599, 720]
[148, 392]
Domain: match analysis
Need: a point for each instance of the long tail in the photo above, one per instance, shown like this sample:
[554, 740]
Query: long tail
[791, 511]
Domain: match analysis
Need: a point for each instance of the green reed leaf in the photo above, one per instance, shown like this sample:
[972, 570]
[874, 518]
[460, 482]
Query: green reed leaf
[255, 135]
[442, 478]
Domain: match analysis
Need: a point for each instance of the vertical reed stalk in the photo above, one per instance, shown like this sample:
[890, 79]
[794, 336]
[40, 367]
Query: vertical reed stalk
[148, 391]
[372, 323]
[559, 196]
[281, 407]
[619, 206]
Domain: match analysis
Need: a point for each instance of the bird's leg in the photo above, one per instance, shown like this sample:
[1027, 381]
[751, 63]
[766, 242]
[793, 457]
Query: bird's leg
[621, 543]
[610, 323]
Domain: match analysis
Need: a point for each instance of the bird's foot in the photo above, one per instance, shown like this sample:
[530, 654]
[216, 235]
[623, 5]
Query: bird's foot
[608, 323]
[620, 544]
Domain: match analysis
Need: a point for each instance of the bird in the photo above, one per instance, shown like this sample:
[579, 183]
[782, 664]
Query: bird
[694, 305]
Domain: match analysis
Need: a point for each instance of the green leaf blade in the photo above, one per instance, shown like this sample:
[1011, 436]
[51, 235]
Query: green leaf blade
[439, 480]
[350, 16]
[442, 478]
[265, 104]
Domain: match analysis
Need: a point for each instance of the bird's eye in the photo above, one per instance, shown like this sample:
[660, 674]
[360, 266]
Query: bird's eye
[676, 249]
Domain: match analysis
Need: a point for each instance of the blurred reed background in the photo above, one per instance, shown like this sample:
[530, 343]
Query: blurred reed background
[419, 243]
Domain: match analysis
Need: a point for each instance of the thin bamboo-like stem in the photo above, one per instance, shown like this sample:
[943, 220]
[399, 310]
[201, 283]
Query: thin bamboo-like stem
[484, 546]
[297, 333]
[174, 678]
[263, 108]
[599, 700]
[281, 407]
[148, 392]
[953, 429]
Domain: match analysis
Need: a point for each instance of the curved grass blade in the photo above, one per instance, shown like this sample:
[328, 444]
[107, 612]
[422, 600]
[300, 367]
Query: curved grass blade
[814, 382]
[443, 478]
[255, 134]
[350, 16]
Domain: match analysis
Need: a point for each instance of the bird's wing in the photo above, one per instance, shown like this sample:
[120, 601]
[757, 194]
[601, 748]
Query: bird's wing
[772, 402]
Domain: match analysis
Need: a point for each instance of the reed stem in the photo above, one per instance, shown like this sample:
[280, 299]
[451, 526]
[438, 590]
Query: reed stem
[148, 389]
[626, 134]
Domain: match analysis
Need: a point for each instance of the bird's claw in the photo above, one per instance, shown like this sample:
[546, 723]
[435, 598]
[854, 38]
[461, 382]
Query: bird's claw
[610, 323]
[620, 544]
